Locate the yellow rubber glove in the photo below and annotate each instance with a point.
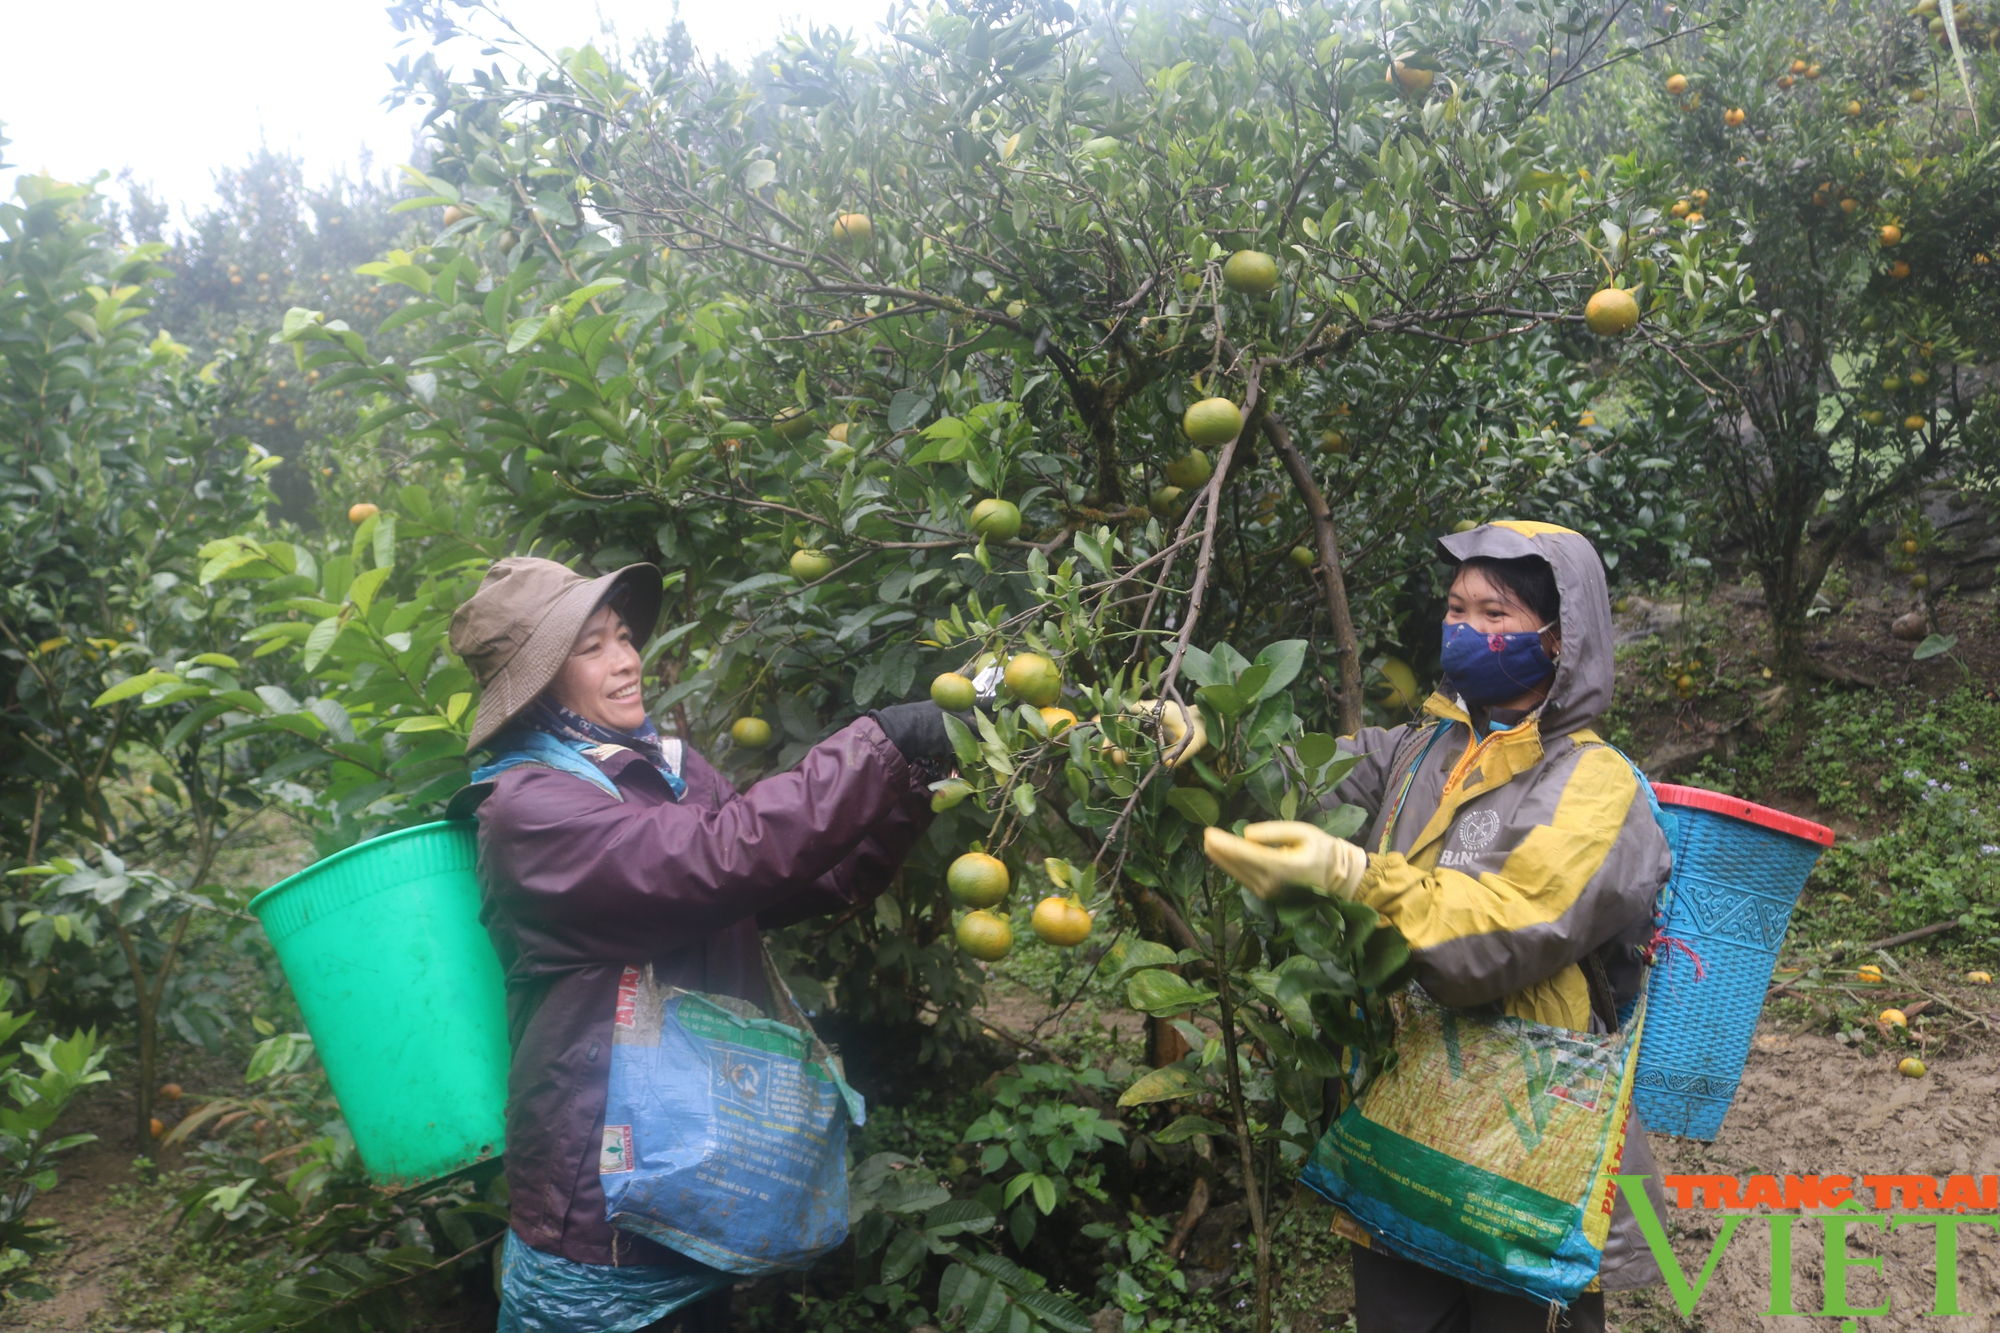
(1182, 736)
(1270, 859)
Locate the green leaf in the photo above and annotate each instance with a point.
(1162, 1085)
(1195, 804)
(1284, 660)
(1164, 995)
(1223, 699)
(1186, 1127)
(125, 689)
(1133, 955)
(320, 640)
(1934, 645)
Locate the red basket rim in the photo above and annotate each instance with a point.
(1736, 807)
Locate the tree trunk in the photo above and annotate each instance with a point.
(1333, 580)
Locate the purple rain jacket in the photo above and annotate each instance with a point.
(578, 884)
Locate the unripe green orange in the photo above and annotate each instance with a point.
(794, 423)
(985, 935)
(752, 733)
(1033, 679)
(996, 520)
(811, 566)
(1250, 271)
(1166, 501)
(1211, 422)
(1302, 557)
(1190, 470)
(953, 693)
(977, 879)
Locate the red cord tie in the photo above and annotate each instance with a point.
(1665, 943)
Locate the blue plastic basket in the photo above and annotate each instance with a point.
(1738, 869)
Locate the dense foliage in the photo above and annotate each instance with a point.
(886, 355)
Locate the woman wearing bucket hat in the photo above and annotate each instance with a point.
(1519, 855)
(603, 845)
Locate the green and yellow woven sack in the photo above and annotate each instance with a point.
(1488, 1150)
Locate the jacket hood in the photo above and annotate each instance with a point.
(1581, 691)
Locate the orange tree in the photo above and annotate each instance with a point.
(1843, 157)
(1115, 343)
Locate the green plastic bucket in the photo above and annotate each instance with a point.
(403, 996)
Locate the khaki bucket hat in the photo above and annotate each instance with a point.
(516, 631)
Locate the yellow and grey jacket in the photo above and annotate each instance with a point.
(1510, 861)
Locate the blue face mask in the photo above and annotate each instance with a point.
(1492, 668)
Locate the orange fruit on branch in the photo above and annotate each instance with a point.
(751, 733)
(977, 879)
(985, 935)
(953, 693)
(1612, 312)
(1061, 921)
(1033, 679)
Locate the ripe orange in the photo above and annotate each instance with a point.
(1891, 235)
(996, 520)
(1798, 67)
(977, 879)
(1812, 71)
(1900, 270)
(985, 935)
(1681, 208)
(1785, 81)
(1611, 312)
(1868, 974)
(1911, 1067)
(752, 733)
(953, 693)
(1694, 219)
(170, 1092)
(1920, 378)
(1893, 1018)
(1409, 78)
(360, 513)
(1913, 422)
(1057, 720)
(1061, 921)
(1979, 978)
(1849, 205)
(1033, 679)
(158, 1126)
(1909, 546)
(1853, 108)
(837, 432)
(854, 228)
(1700, 198)
(1677, 84)
(1733, 117)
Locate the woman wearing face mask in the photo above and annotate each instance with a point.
(1515, 850)
(602, 846)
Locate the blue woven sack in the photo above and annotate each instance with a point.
(725, 1131)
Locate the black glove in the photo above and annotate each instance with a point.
(917, 730)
